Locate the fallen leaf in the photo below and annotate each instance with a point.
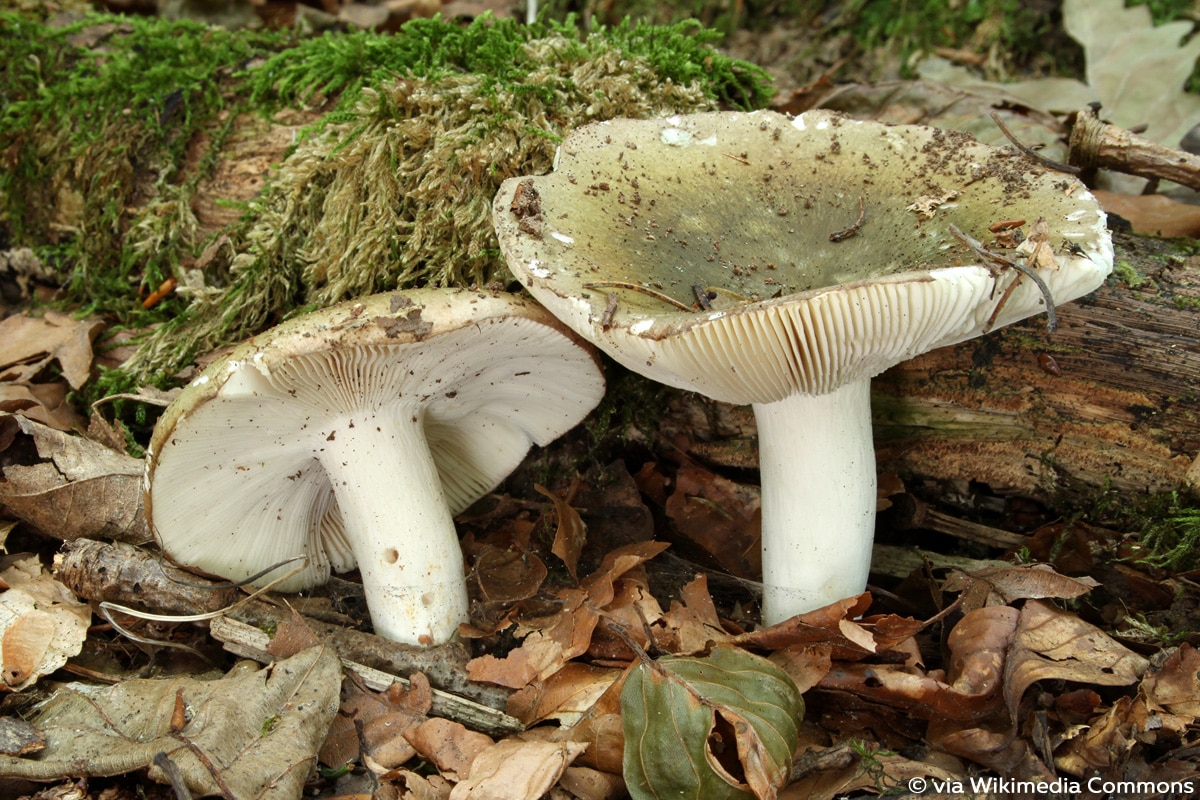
(1175, 685)
(978, 645)
(571, 533)
(78, 488)
(1152, 214)
(42, 624)
(259, 729)
(722, 518)
(448, 745)
(516, 770)
(565, 696)
(724, 726)
(28, 344)
(1051, 644)
(508, 575)
(1004, 585)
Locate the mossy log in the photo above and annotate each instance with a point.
(1107, 404)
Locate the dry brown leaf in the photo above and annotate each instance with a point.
(79, 489)
(28, 344)
(823, 625)
(571, 534)
(1004, 585)
(592, 784)
(42, 402)
(1153, 214)
(1049, 643)
(693, 619)
(508, 575)
(516, 770)
(449, 746)
(722, 518)
(550, 643)
(565, 696)
(887, 771)
(1175, 685)
(42, 624)
(971, 690)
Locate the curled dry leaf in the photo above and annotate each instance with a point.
(724, 726)
(567, 634)
(722, 518)
(1049, 643)
(42, 624)
(1175, 685)
(447, 745)
(516, 770)
(970, 690)
(565, 696)
(1003, 585)
(28, 344)
(571, 534)
(78, 488)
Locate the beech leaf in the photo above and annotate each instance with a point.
(724, 726)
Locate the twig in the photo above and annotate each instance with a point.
(1099, 145)
(994, 259)
(846, 233)
(226, 792)
(1030, 153)
(251, 642)
(637, 287)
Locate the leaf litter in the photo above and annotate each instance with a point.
(1005, 678)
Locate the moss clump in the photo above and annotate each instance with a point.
(96, 120)
(390, 188)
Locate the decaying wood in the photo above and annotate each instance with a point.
(132, 576)
(1100, 145)
(1109, 403)
(251, 642)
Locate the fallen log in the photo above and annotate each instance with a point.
(1109, 403)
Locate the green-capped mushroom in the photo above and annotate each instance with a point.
(782, 262)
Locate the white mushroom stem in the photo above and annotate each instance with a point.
(398, 524)
(817, 466)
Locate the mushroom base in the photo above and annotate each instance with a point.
(817, 465)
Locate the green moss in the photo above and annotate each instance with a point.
(1128, 274)
(395, 189)
(392, 188)
(97, 119)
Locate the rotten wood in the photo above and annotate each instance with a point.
(1095, 144)
(1120, 416)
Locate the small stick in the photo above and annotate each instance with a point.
(996, 259)
(846, 233)
(610, 311)
(159, 294)
(702, 297)
(637, 287)
(739, 159)
(1030, 153)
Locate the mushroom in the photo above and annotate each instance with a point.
(352, 435)
(782, 262)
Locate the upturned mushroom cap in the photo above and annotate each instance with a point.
(825, 244)
(783, 262)
(352, 434)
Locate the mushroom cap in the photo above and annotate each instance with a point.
(234, 458)
(822, 244)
